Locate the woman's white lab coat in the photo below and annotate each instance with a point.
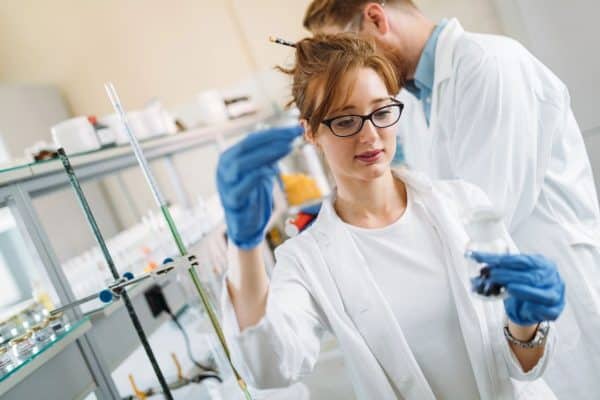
(502, 121)
(322, 282)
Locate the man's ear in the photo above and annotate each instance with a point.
(375, 19)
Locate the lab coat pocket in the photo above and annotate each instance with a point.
(585, 246)
(579, 258)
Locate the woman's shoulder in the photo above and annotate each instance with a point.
(456, 190)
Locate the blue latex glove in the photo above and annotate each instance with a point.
(536, 292)
(245, 176)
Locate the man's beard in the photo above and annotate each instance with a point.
(399, 60)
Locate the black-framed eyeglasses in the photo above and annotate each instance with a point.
(349, 125)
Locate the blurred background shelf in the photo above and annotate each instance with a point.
(46, 365)
(82, 361)
(49, 175)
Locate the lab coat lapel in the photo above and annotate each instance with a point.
(474, 315)
(367, 308)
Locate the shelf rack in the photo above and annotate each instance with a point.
(87, 351)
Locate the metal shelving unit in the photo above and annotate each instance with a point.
(87, 353)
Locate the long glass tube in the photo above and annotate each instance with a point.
(162, 204)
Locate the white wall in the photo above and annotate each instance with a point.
(563, 35)
(474, 15)
(26, 112)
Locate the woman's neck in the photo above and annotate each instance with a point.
(371, 204)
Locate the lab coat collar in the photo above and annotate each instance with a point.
(445, 50)
(413, 179)
(422, 84)
(443, 64)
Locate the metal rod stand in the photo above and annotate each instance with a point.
(111, 265)
(162, 204)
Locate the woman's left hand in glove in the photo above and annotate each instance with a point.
(536, 291)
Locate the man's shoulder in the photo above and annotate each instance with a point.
(480, 56)
(478, 47)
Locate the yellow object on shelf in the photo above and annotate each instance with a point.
(300, 188)
(140, 395)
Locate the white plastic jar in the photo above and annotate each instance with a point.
(486, 232)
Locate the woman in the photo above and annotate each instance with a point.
(382, 268)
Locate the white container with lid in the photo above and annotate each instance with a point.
(75, 135)
(486, 232)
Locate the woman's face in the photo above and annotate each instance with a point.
(368, 154)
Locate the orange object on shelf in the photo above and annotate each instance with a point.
(300, 188)
(151, 266)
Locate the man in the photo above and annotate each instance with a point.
(482, 108)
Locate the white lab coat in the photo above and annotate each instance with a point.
(322, 282)
(502, 121)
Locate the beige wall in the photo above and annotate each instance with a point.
(167, 49)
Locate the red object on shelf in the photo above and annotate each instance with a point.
(298, 224)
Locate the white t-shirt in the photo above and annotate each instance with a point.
(406, 260)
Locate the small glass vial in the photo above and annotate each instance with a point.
(27, 320)
(24, 346)
(58, 323)
(11, 329)
(5, 335)
(6, 361)
(486, 232)
(43, 333)
(32, 316)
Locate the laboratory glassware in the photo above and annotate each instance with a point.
(486, 232)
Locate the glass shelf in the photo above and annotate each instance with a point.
(73, 327)
(23, 164)
(234, 124)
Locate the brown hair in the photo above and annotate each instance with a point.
(341, 13)
(321, 63)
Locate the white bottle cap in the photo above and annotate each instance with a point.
(484, 225)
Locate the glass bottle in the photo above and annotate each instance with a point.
(6, 361)
(486, 232)
(43, 333)
(24, 346)
(58, 323)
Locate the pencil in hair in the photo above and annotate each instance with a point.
(281, 41)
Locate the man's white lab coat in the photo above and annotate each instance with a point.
(322, 282)
(502, 121)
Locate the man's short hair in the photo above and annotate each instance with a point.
(340, 13)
